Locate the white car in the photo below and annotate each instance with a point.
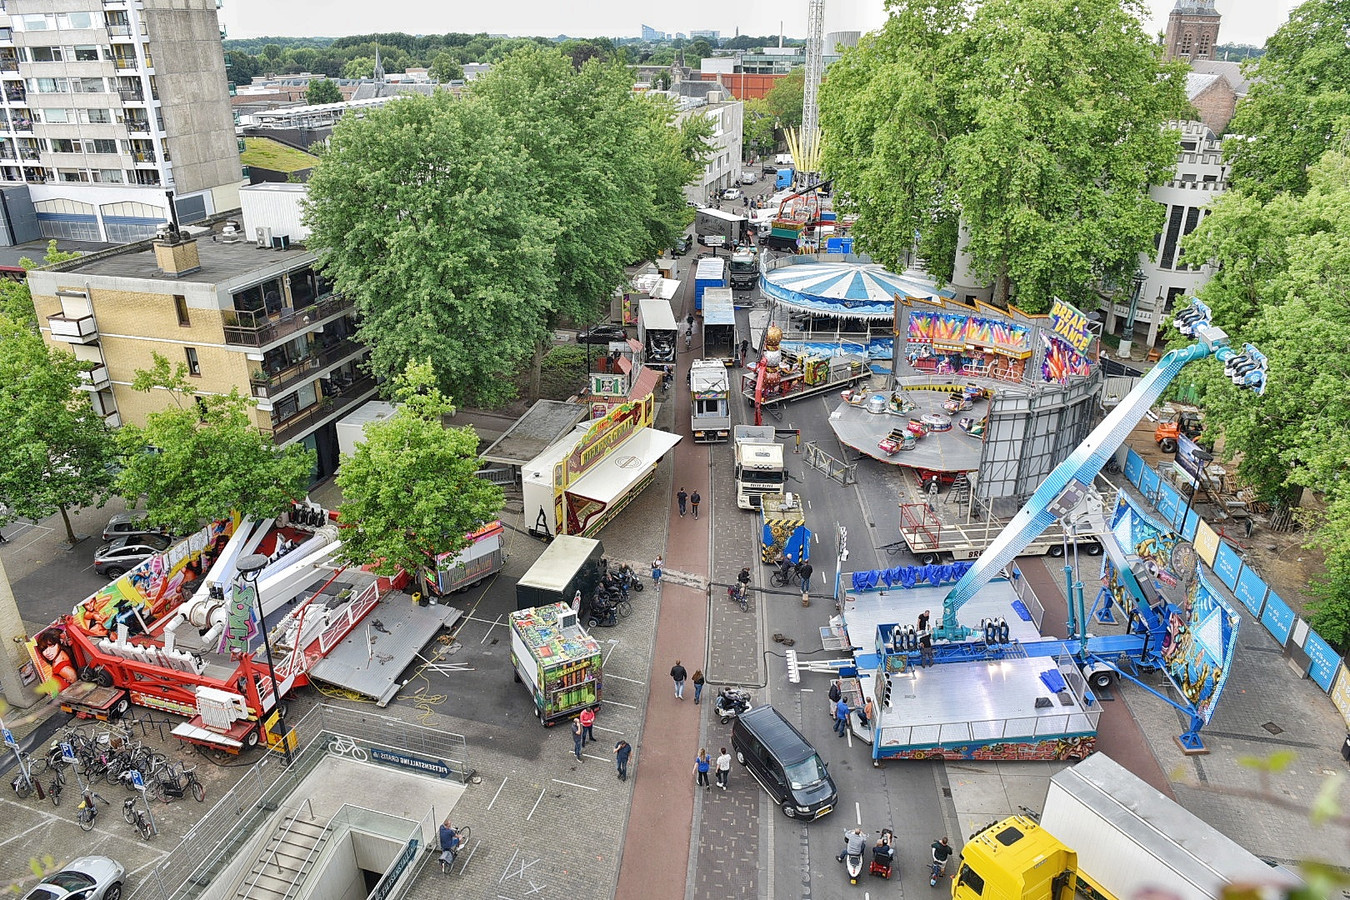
(748, 177)
(87, 878)
(731, 194)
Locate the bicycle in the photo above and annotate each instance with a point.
(781, 577)
(134, 816)
(448, 865)
(738, 593)
(58, 783)
(87, 811)
(27, 781)
(341, 745)
(175, 782)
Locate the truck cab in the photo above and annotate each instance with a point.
(1016, 859)
(744, 270)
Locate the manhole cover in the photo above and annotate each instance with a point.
(629, 462)
(1273, 728)
(947, 792)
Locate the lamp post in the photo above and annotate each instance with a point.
(250, 567)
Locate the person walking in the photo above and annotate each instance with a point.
(657, 564)
(694, 499)
(701, 767)
(723, 769)
(698, 685)
(587, 720)
(682, 498)
(804, 571)
(841, 717)
(578, 737)
(622, 750)
(678, 675)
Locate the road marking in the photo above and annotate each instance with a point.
(857, 812)
(617, 703)
(498, 794)
(536, 806)
(490, 625)
(584, 787)
(609, 677)
(488, 633)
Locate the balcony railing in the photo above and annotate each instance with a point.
(255, 329)
(96, 379)
(9, 65)
(276, 383)
(132, 95)
(119, 30)
(77, 330)
(124, 62)
(306, 419)
(138, 125)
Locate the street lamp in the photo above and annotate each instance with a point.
(249, 568)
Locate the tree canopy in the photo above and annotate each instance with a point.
(204, 456)
(57, 453)
(786, 97)
(321, 90)
(1298, 106)
(409, 491)
(1038, 125)
(543, 182)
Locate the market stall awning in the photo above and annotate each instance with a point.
(625, 466)
(847, 289)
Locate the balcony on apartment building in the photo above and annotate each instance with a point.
(138, 124)
(131, 94)
(288, 426)
(96, 379)
(260, 328)
(272, 381)
(14, 92)
(73, 329)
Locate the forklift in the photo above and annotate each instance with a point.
(1176, 421)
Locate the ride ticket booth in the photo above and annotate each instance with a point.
(578, 484)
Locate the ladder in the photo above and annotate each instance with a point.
(959, 493)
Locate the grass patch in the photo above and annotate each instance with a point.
(266, 153)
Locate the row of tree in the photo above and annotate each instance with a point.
(1279, 241)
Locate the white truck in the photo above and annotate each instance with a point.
(760, 467)
(709, 416)
(1107, 834)
(657, 332)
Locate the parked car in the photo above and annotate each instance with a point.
(748, 177)
(682, 244)
(129, 523)
(123, 554)
(731, 194)
(88, 878)
(601, 334)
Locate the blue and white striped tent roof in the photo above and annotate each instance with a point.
(848, 289)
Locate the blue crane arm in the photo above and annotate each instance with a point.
(1080, 468)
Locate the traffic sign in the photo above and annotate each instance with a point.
(9, 738)
(67, 752)
(136, 780)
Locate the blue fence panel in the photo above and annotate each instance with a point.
(1170, 504)
(1277, 617)
(1227, 565)
(1324, 661)
(1190, 525)
(1251, 590)
(1134, 467)
(1148, 483)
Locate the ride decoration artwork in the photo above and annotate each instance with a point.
(1061, 361)
(1202, 630)
(908, 576)
(1075, 747)
(53, 660)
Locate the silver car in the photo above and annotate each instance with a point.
(120, 556)
(89, 878)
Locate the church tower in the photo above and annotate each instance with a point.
(1192, 30)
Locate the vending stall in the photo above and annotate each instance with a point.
(560, 662)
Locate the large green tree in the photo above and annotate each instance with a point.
(425, 214)
(409, 491)
(56, 453)
(757, 127)
(1283, 284)
(786, 96)
(1037, 124)
(1298, 106)
(203, 456)
(322, 90)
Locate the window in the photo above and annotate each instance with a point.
(1169, 251)
(194, 365)
(180, 307)
(46, 54)
(201, 408)
(75, 20)
(55, 116)
(49, 85)
(87, 85)
(73, 174)
(86, 53)
(35, 23)
(101, 145)
(96, 116)
(108, 176)
(65, 145)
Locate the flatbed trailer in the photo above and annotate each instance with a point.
(807, 377)
(933, 541)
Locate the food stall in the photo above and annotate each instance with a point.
(560, 662)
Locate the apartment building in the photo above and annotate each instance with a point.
(239, 303)
(106, 106)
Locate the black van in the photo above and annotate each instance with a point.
(784, 763)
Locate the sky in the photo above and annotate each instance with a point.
(1244, 21)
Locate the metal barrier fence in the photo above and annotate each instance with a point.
(842, 472)
(211, 846)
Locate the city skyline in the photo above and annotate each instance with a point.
(1244, 21)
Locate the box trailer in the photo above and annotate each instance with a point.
(657, 332)
(711, 273)
(567, 565)
(560, 662)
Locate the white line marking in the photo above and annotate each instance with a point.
(488, 633)
(536, 806)
(857, 812)
(609, 676)
(617, 703)
(499, 791)
(584, 787)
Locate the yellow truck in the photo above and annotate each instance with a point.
(1107, 835)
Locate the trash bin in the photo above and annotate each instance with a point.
(1345, 749)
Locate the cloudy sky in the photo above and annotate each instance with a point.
(1244, 21)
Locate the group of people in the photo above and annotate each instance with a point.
(703, 764)
(680, 675)
(841, 710)
(583, 733)
(685, 500)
